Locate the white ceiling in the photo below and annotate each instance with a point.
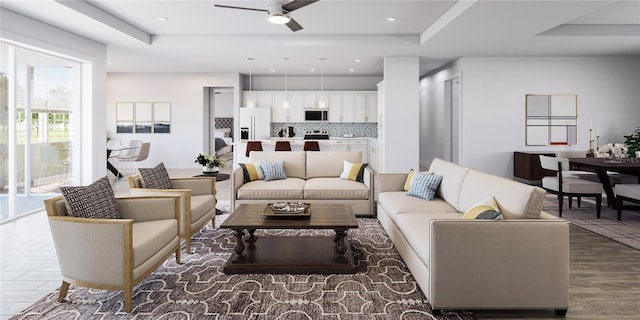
(199, 37)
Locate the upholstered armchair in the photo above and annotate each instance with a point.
(197, 201)
(114, 254)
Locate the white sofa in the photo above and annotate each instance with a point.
(518, 263)
(312, 177)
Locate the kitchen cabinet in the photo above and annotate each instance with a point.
(335, 107)
(361, 145)
(309, 100)
(263, 100)
(360, 107)
(347, 107)
(296, 107)
(372, 107)
(373, 153)
(278, 112)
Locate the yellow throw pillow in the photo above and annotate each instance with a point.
(353, 171)
(485, 209)
(252, 172)
(407, 183)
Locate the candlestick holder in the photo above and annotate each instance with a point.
(590, 152)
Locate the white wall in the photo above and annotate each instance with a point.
(188, 111)
(89, 151)
(493, 102)
(223, 102)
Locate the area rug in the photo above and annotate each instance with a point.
(626, 231)
(382, 288)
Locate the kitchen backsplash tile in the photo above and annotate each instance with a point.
(334, 129)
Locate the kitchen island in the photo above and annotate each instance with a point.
(297, 144)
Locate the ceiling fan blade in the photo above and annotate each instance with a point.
(294, 25)
(241, 8)
(297, 4)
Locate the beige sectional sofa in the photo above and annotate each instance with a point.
(312, 177)
(520, 262)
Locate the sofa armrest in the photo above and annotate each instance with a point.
(197, 185)
(237, 180)
(391, 181)
(519, 263)
(367, 178)
(149, 208)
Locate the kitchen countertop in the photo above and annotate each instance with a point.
(301, 140)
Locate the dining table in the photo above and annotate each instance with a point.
(602, 166)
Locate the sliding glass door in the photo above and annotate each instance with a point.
(38, 94)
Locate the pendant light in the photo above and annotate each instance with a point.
(322, 103)
(251, 102)
(285, 102)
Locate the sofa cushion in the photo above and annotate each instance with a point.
(273, 170)
(290, 188)
(407, 182)
(453, 177)
(334, 188)
(398, 202)
(252, 172)
(151, 236)
(517, 200)
(415, 227)
(93, 201)
(424, 185)
(201, 205)
(353, 171)
(329, 163)
(294, 161)
(485, 209)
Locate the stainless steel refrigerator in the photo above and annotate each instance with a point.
(255, 123)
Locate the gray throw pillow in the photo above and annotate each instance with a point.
(156, 178)
(93, 201)
(424, 185)
(273, 170)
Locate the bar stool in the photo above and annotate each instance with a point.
(253, 146)
(283, 146)
(311, 146)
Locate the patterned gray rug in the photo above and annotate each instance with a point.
(382, 288)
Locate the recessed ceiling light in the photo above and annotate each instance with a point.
(163, 19)
(392, 19)
(352, 70)
(109, 62)
(272, 69)
(358, 60)
(312, 70)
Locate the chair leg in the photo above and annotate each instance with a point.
(178, 255)
(579, 198)
(63, 291)
(598, 205)
(128, 297)
(188, 243)
(570, 202)
(619, 207)
(560, 198)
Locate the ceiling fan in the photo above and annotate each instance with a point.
(279, 13)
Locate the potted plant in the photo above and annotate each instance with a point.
(633, 143)
(209, 163)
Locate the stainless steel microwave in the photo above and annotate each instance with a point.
(316, 115)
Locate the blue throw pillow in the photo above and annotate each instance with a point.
(424, 185)
(273, 170)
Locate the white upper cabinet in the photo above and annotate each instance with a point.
(335, 107)
(372, 107)
(296, 107)
(342, 106)
(278, 112)
(347, 106)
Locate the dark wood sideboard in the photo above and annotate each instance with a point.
(527, 169)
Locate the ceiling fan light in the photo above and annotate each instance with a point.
(279, 18)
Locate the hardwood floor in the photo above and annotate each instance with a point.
(604, 281)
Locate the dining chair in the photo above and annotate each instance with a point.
(626, 192)
(587, 175)
(113, 144)
(51, 159)
(131, 163)
(568, 186)
(253, 146)
(283, 146)
(132, 152)
(311, 146)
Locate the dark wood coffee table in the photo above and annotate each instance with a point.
(291, 254)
